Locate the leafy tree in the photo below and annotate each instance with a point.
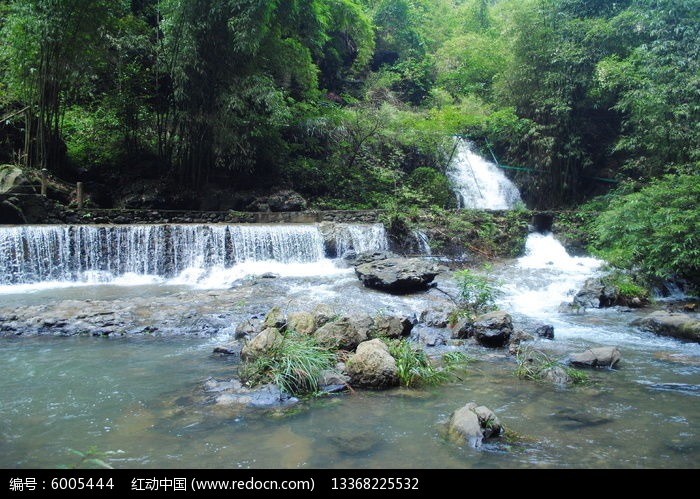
(656, 88)
(51, 49)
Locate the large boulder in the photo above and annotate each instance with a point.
(674, 324)
(340, 334)
(398, 275)
(19, 201)
(596, 357)
(372, 366)
(596, 294)
(13, 180)
(473, 423)
(262, 343)
(493, 329)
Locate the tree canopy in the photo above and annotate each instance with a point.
(353, 103)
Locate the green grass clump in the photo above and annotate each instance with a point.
(415, 368)
(294, 365)
(533, 365)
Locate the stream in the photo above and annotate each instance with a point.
(137, 399)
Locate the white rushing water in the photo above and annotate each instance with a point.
(547, 276)
(36, 257)
(480, 184)
(535, 286)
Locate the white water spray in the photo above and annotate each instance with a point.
(480, 184)
(547, 276)
(206, 255)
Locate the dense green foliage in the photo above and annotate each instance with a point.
(352, 102)
(656, 229)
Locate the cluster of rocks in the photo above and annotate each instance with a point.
(368, 363)
(681, 324)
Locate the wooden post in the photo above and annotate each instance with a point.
(80, 195)
(44, 181)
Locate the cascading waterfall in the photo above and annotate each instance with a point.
(360, 238)
(478, 183)
(94, 254)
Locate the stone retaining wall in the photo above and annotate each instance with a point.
(233, 217)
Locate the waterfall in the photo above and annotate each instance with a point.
(478, 183)
(360, 238)
(422, 242)
(93, 254)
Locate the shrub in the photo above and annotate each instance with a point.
(477, 293)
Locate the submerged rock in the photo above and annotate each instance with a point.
(234, 393)
(679, 325)
(233, 348)
(472, 424)
(545, 331)
(351, 442)
(372, 366)
(556, 375)
(398, 275)
(596, 357)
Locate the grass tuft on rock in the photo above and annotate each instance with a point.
(534, 365)
(294, 365)
(415, 368)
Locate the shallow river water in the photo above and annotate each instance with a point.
(138, 400)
